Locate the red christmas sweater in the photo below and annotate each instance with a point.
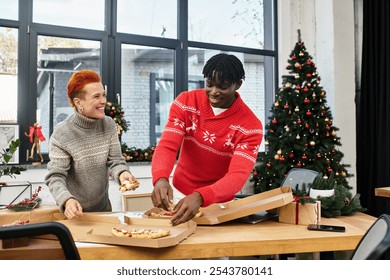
(217, 153)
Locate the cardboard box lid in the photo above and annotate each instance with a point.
(97, 229)
(223, 212)
(43, 213)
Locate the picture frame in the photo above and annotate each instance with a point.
(9, 133)
(137, 202)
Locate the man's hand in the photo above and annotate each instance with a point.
(162, 195)
(187, 208)
(73, 209)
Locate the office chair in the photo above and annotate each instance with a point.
(30, 230)
(296, 177)
(375, 244)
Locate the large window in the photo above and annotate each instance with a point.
(148, 17)
(8, 74)
(147, 92)
(74, 13)
(58, 58)
(147, 52)
(9, 9)
(238, 22)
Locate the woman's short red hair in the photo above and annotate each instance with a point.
(78, 81)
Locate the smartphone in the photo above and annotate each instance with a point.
(326, 228)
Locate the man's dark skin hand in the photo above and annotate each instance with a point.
(185, 209)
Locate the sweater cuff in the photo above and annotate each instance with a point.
(158, 175)
(208, 196)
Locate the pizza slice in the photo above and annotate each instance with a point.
(129, 186)
(158, 212)
(141, 233)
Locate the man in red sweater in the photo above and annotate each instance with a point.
(218, 137)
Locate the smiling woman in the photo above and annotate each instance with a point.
(84, 149)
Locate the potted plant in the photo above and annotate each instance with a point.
(5, 157)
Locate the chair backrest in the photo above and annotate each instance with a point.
(30, 230)
(375, 244)
(299, 176)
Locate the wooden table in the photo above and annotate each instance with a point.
(384, 194)
(228, 239)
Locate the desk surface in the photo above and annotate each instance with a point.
(383, 192)
(228, 239)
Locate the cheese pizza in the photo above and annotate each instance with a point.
(141, 233)
(128, 186)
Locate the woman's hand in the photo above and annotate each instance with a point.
(126, 176)
(73, 209)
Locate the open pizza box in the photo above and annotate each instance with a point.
(44, 213)
(223, 212)
(97, 228)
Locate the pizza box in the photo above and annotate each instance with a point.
(44, 213)
(223, 212)
(97, 228)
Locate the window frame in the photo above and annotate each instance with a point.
(111, 42)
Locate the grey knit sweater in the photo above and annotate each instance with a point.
(82, 153)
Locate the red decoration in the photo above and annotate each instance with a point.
(274, 121)
(308, 75)
(306, 101)
(298, 87)
(305, 89)
(308, 113)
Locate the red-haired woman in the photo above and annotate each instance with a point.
(84, 149)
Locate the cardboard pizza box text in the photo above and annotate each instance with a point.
(96, 228)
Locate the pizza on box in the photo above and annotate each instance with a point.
(128, 186)
(158, 212)
(141, 233)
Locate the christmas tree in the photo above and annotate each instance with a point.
(300, 132)
(115, 111)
